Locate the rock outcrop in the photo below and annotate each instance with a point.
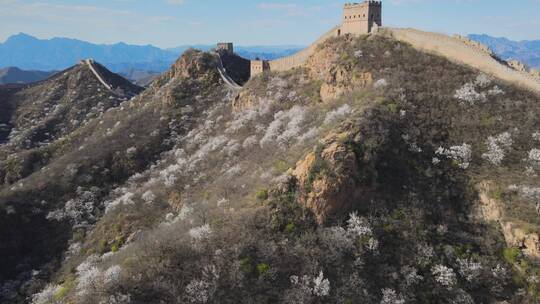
(490, 209)
(336, 79)
(326, 178)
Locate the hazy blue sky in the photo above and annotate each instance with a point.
(168, 23)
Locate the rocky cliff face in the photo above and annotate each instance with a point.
(517, 233)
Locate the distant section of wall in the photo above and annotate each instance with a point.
(225, 46)
(293, 61)
(457, 50)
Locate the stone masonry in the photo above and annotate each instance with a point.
(225, 46)
(361, 18)
(358, 19)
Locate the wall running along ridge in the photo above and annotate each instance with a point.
(298, 59)
(458, 51)
(90, 64)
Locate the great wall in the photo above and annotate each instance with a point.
(366, 18)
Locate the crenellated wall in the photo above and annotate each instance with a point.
(293, 61)
(358, 19)
(458, 50)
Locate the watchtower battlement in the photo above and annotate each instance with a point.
(361, 18)
(358, 19)
(225, 46)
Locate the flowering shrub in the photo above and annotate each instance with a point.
(316, 286)
(202, 232)
(321, 286)
(462, 154)
(337, 114)
(468, 94)
(285, 128)
(380, 83)
(148, 196)
(79, 210)
(497, 147)
(112, 275)
(124, 199)
(482, 80)
(47, 295)
(199, 291)
(357, 226)
(390, 296)
(444, 276)
(469, 269)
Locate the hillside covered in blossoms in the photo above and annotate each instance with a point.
(375, 173)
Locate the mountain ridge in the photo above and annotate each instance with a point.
(11, 75)
(27, 52)
(526, 51)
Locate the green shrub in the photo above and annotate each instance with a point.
(290, 228)
(262, 194)
(245, 265)
(392, 107)
(115, 247)
(102, 246)
(511, 254)
(262, 268)
(281, 165)
(61, 293)
(497, 194)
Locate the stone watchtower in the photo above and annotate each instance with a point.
(225, 46)
(361, 18)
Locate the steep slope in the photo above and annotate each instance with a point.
(353, 179)
(87, 164)
(463, 52)
(16, 75)
(40, 116)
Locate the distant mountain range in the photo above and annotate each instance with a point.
(143, 63)
(27, 52)
(16, 75)
(527, 51)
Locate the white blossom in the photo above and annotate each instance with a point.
(199, 291)
(202, 232)
(444, 275)
(285, 128)
(468, 94)
(47, 295)
(462, 154)
(112, 275)
(249, 142)
(337, 114)
(497, 147)
(130, 152)
(148, 196)
(482, 80)
(390, 296)
(358, 226)
(316, 286)
(534, 155)
(321, 286)
(469, 269)
(88, 281)
(380, 83)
